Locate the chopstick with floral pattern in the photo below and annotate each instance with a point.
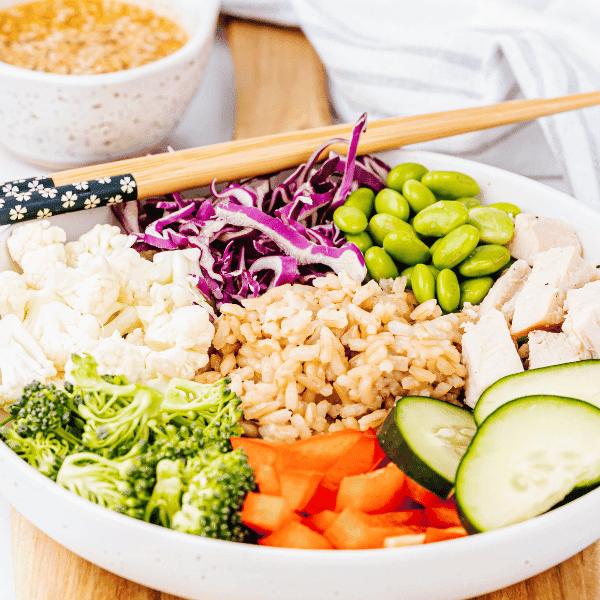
(38, 197)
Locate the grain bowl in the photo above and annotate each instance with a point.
(199, 568)
(57, 120)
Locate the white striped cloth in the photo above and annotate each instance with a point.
(406, 57)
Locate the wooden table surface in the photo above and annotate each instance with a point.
(281, 87)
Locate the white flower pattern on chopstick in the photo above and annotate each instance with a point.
(40, 198)
(68, 199)
(17, 213)
(127, 185)
(91, 202)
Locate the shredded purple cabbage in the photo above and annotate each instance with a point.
(265, 231)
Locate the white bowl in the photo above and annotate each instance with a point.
(59, 121)
(203, 569)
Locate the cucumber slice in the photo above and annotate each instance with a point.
(426, 438)
(579, 380)
(526, 457)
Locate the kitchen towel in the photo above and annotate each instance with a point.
(406, 57)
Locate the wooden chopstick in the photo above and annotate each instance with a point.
(185, 169)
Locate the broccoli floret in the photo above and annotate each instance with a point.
(123, 484)
(116, 412)
(47, 410)
(211, 411)
(203, 495)
(165, 501)
(44, 452)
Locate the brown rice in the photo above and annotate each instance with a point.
(309, 359)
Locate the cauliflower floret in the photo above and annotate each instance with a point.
(60, 330)
(32, 236)
(101, 240)
(14, 294)
(175, 362)
(116, 356)
(135, 275)
(38, 265)
(21, 360)
(188, 327)
(91, 289)
(176, 265)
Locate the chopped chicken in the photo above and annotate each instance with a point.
(547, 348)
(582, 322)
(533, 235)
(503, 293)
(539, 304)
(489, 354)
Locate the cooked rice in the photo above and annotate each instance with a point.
(309, 359)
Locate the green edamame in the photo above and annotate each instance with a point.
(417, 195)
(435, 244)
(447, 290)
(408, 274)
(362, 240)
(350, 219)
(454, 247)
(406, 247)
(475, 290)
(494, 225)
(440, 218)
(507, 207)
(391, 202)
(363, 198)
(469, 202)
(450, 184)
(484, 260)
(422, 283)
(380, 264)
(402, 172)
(381, 224)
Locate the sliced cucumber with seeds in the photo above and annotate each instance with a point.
(525, 458)
(579, 380)
(426, 438)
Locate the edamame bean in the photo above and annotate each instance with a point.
(402, 172)
(422, 283)
(475, 290)
(435, 244)
(350, 219)
(391, 202)
(440, 218)
(362, 240)
(380, 264)
(494, 225)
(406, 247)
(450, 184)
(507, 207)
(469, 202)
(408, 274)
(484, 260)
(447, 290)
(382, 224)
(417, 195)
(363, 198)
(454, 247)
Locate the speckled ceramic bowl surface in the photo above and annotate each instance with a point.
(59, 121)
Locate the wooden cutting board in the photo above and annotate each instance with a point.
(281, 87)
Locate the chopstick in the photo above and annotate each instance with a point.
(160, 174)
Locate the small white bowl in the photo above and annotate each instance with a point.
(59, 121)
(201, 569)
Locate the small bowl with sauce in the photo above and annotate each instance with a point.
(91, 81)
